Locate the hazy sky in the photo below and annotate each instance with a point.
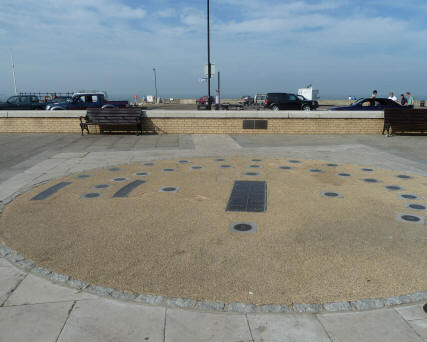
(342, 47)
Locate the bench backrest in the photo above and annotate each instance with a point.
(114, 115)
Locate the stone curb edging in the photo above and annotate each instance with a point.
(182, 303)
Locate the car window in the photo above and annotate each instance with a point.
(292, 98)
(366, 103)
(34, 99)
(13, 100)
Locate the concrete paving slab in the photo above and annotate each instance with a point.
(34, 290)
(10, 277)
(287, 328)
(412, 312)
(4, 263)
(420, 326)
(188, 326)
(377, 325)
(35, 323)
(109, 320)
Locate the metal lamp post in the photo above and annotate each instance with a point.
(155, 81)
(209, 60)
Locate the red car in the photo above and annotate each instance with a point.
(203, 102)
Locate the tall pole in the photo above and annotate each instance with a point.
(155, 81)
(218, 105)
(209, 60)
(13, 72)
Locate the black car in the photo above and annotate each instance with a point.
(371, 104)
(22, 102)
(285, 101)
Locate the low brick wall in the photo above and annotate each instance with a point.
(168, 122)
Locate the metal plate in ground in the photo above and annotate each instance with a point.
(243, 228)
(411, 197)
(49, 192)
(416, 206)
(409, 218)
(127, 189)
(170, 189)
(250, 196)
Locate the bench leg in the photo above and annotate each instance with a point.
(84, 126)
(138, 128)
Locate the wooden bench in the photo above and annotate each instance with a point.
(113, 119)
(405, 120)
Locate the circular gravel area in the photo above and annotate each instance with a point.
(307, 248)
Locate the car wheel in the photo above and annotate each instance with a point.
(275, 108)
(306, 108)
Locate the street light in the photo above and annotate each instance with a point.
(155, 81)
(209, 61)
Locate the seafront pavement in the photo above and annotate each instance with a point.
(35, 309)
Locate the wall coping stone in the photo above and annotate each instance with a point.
(223, 114)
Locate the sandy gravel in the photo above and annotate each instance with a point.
(308, 248)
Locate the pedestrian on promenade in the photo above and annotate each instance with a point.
(374, 94)
(403, 100)
(410, 99)
(392, 97)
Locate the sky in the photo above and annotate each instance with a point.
(342, 47)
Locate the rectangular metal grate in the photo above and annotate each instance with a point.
(250, 196)
(255, 124)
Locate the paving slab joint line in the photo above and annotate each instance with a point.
(13, 290)
(249, 327)
(66, 320)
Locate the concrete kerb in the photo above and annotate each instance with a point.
(190, 304)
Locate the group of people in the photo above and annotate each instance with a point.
(404, 101)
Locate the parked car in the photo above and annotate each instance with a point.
(81, 101)
(371, 104)
(246, 100)
(286, 101)
(203, 102)
(22, 102)
(259, 99)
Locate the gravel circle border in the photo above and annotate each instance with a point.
(183, 303)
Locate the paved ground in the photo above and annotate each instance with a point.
(32, 308)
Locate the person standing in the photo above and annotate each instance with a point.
(410, 99)
(374, 94)
(403, 100)
(392, 97)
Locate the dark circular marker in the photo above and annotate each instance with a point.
(403, 177)
(417, 206)
(371, 180)
(183, 161)
(294, 161)
(169, 189)
(257, 160)
(101, 186)
(142, 173)
(411, 197)
(393, 187)
(332, 165)
(83, 176)
(242, 227)
(367, 170)
(344, 175)
(410, 218)
(196, 167)
(119, 179)
(331, 194)
(285, 168)
(149, 164)
(251, 174)
(219, 159)
(316, 170)
(92, 195)
(254, 166)
(168, 170)
(114, 169)
(225, 166)
(425, 308)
